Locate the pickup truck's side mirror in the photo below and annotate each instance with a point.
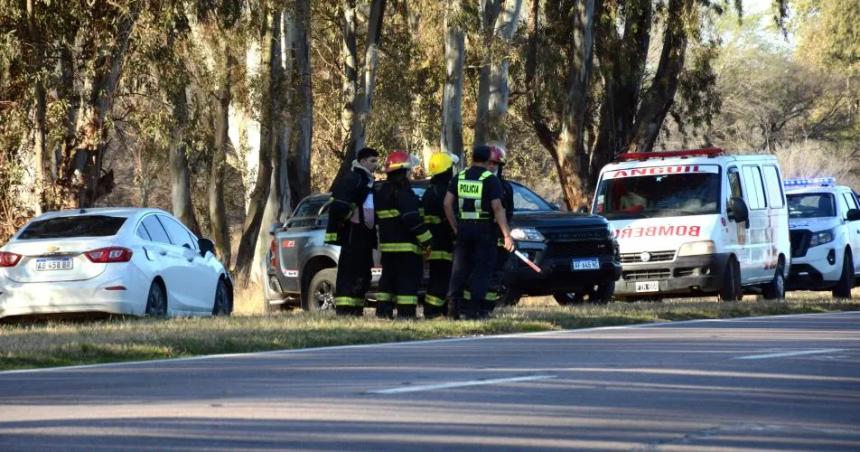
(206, 246)
(738, 210)
(853, 215)
(273, 228)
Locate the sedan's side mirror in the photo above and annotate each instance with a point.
(853, 215)
(738, 210)
(206, 246)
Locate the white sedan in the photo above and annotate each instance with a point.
(118, 261)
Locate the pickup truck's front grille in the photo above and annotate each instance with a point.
(654, 256)
(580, 249)
(800, 242)
(646, 275)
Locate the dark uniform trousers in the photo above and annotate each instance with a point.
(353, 268)
(398, 285)
(474, 263)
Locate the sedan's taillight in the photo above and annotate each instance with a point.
(109, 255)
(8, 260)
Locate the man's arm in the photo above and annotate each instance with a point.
(502, 221)
(448, 205)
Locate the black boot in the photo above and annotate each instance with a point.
(432, 312)
(487, 308)
(454, 309)
(405, 311)
(385, 309)
(358, 311)
(344, 311)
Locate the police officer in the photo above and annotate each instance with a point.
(498, 159)
(403, 236)
(441, 168)
(476, 195)
(349, 228)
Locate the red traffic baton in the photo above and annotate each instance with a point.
(528, 261)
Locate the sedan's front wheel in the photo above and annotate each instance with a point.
(156, 301)
(222, 304)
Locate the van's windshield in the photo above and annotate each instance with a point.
(662, 191)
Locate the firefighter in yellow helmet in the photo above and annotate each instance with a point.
(441, 168)
(403, 236)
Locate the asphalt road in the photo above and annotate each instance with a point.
(790, 382)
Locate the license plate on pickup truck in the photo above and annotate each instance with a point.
(591, 263)
(49, 264)
(648, 286)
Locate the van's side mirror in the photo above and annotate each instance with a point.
(582, 209)
(854, 215)
(738, 210)
(206, 246)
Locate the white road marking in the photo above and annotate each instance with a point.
(786, 354)
(460, 384)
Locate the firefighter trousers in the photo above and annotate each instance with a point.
(353, 269)
(474, 263)
(398, 285)
(435, 304)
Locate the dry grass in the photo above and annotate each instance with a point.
(66, 343)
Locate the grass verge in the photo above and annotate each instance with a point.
(62, 344)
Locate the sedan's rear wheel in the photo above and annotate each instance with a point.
(222, 305)
(156, 301)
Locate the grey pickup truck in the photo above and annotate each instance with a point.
(577, 254)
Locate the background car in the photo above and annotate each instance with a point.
(117, 261)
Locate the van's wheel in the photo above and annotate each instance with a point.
(222, 305)
(775, 290)
(156, 301)
(731, 287)
(320, 293)
(846, 280)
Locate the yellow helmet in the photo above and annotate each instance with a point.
(440, 162)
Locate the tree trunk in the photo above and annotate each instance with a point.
(270, 65)
(452, 97)
(180, 179)
(217, 211)
(659, 97)
(299, 162)
(349, 89)
(570, 152)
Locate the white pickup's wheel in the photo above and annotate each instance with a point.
(846, 280)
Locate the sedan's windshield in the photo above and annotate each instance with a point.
(659, 192)
(811, 205)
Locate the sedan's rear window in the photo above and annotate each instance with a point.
(77, 226)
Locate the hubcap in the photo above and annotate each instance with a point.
(325, 296)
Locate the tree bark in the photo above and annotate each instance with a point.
(217, 210)
(661, 94)
(349, 88)
(180, 179)
(299, 161)
(270, 39)
(452, 96)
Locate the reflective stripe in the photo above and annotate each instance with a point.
(385, 214)
(384, 296)
(472, 190)
(492, 296)
(406, 299)
(349, 301)
(440, 256)
(474, 215)
(467, 295)
(421, 211)
(399, 248)
(331, 237)
(425, 237)
(432, 219)
(434, 301)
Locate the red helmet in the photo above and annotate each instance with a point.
(498, 154)
(399, 160)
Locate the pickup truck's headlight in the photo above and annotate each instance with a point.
(696, 248)
(821, 237)
(527, 235)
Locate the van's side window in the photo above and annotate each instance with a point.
(773, 184)
(752, 177)
(735, 183)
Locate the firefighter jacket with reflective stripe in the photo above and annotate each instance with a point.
(401, 226)
(346, 196)
(470, 193)
(434, 215)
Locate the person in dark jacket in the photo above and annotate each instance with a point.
(441, 168)
(498, 159)
(349, 228)
(403, 237)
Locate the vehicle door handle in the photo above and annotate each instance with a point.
(163, 253)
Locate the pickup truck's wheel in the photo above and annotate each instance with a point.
(775, 290)
(731, 288)
(320, 294)
(599, 294)
(510, 296)
(846, 281)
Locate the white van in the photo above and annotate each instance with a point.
(697, 222)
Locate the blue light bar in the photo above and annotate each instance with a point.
(810, 182)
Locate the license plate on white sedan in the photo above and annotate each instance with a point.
(50, 264)
(648, 286)
(591, 263)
